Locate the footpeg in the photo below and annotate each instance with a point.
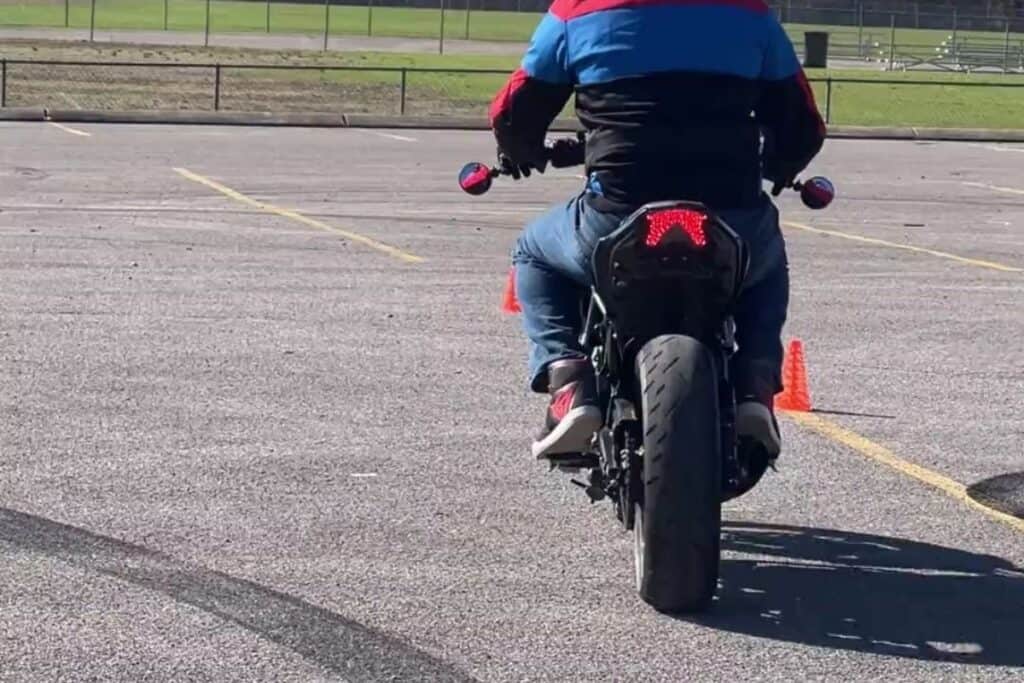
(594, 493)
(573, 461)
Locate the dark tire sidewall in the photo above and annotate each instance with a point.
(682, 462)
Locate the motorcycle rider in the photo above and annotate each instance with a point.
(674, 96)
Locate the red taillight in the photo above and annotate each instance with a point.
(660, 223)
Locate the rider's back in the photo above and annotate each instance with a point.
(666, 89)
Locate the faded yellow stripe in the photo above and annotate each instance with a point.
(870, 449)
(296, 216)
(907, 247)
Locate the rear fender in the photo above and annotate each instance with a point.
(670, 278)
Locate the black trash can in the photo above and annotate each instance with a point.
(816, 49)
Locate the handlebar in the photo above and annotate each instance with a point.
(476, 179)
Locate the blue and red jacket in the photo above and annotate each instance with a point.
(673, 95)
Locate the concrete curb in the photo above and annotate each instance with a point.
(22, 114)
(310, 120)
(927, 134)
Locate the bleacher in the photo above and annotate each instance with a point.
(975, 8)
(964, 15)
(974, 53)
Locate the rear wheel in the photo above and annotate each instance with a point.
(678, 524)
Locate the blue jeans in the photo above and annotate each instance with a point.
(553, 272)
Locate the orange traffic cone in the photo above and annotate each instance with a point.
(795, 395)
(509, 303)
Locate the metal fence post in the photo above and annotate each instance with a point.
(860, 29)
(3, 82)
(369, 18)
(401, 106)
(440, 39)
(67, 13)
(268, 16)
(166, 2)
(92, 20)
(892, 40)
(467, 19)
(956, 48)
(206, 33)
(828, 100)
(1006, 48)
(216, 87)
(327, 22)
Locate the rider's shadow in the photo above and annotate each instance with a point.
(868, 593)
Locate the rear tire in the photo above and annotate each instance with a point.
(677, 544)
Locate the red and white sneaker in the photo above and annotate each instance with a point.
(573, 415)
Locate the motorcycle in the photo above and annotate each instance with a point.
(659, 331)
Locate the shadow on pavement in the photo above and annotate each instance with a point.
(886, 596)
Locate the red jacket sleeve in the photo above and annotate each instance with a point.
(787, 108)
(534, 95)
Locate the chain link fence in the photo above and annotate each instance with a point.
(391, 91)
(860, 29)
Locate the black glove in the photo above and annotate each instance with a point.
(781, 175)
(515, 169)
(779, 185)
(566, 152)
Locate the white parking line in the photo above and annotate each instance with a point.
(390, 136)
(996, 188)
(68, 129)
(998, 148)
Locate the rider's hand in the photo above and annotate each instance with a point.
(565, 152)
(782, 176)
(516, 169)
(779, 185)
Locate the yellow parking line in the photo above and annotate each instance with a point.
(907, 247)
(296, 216)
(997, 188)
(69, 129)
(870, 449)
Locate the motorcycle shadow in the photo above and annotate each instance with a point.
(886, 596)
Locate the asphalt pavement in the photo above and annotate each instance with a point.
(243, 440)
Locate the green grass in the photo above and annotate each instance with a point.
(912, 99)
(232, 16)
(922, 99)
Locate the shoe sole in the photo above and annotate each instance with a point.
(572, 435)
(758, 426)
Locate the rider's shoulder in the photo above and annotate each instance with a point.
(571, 9)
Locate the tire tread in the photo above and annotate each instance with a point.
(682, 474)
